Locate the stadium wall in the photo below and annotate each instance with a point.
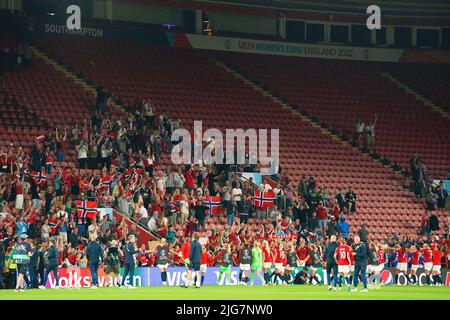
(243, 24)
(11, 5)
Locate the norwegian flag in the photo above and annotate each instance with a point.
(263, 199)
(106, 182)
(39, 178)
(213, 204)
(86, 210)
(133, 176)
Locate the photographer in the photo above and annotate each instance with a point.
(113, 262)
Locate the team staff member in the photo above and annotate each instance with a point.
(130, 261)
(195, 256)
(33, 266)
(94, 253)
(360, 264)
(52, 264)
(330, 264)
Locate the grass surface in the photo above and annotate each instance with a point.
(231, 293)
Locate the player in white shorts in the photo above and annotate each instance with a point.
(162, 251)
(245, 259)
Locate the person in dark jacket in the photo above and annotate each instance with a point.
(94, 254)
(34, 264)
(41, 264)
(52, 264)
(130, 261)
(195, 256)
(330, 262)
(360, 263)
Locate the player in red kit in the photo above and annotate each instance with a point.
(342, 257)
(402, 263)
(267, 258)
(414, 264)
(436, 272)
(185, 251)
(205, 260)
(280, 262)
(427, 261)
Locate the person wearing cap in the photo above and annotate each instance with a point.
(94, 253)
(113, 262)
(21, 256)
(52, 264)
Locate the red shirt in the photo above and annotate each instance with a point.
(321, 213)
(437, 256)
(267, 254)
(281, 257)
(415, 258)
(343, 253)
(206, 258)
(380, 256)
(352, 257)
(189, 183)
(402, 256)
(302, 253)
(185, 250)
(427, 255)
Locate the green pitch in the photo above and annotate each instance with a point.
(231, 293)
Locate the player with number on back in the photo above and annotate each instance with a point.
(162, 259)
(245, 260)
(342, 257)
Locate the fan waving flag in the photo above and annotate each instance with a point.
(133, 176)
(213, 204)
(264, 199)
(86, 210)
(39, 178)
(106, 182)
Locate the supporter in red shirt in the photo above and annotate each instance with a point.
(321, 215)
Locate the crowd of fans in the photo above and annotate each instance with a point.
(118, 156)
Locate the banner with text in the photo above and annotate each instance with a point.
(283, 48)
(150, 276)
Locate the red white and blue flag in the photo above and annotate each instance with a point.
(106, 182)
(39, 178)
(86, 210)
(263, 199)
(133, 176)
(213, 204)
